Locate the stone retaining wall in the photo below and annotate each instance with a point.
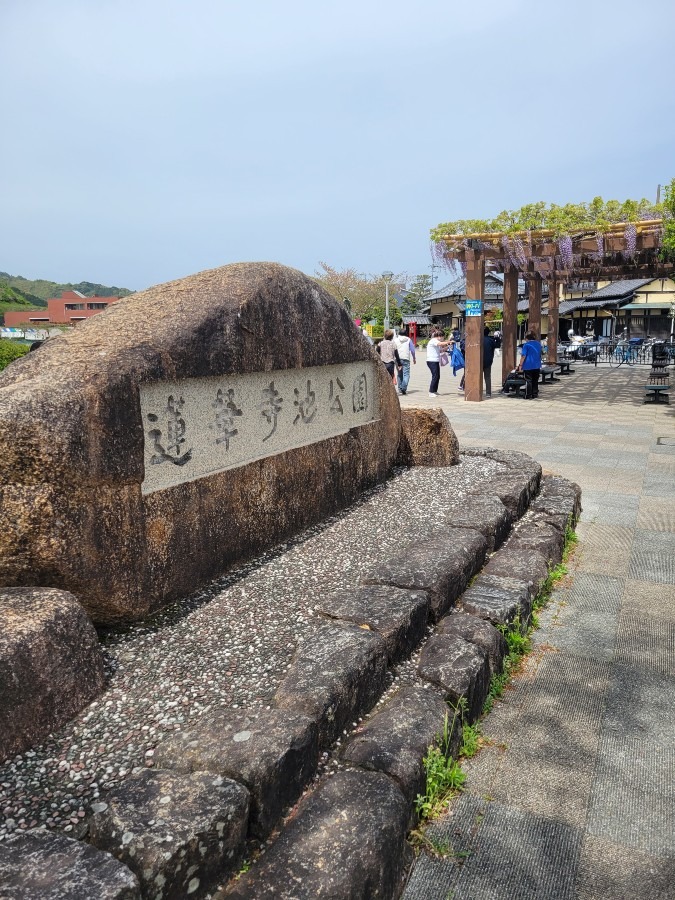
(346, 838)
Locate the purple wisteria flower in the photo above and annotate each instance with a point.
(565, 247)
(631, 241)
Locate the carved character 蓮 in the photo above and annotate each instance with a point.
(175, 435)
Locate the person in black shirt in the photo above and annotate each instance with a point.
(488, 358)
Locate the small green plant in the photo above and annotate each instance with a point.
(518, 644)
(497, 685)
(444, 776)
(470, 741)
(571, 541)
(245, 866)
(441, 848)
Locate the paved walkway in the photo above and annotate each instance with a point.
(575, 797)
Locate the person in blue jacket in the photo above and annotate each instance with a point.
(530, 364)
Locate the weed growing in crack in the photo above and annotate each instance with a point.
(471, 741)
(571, 541)
(444, 776)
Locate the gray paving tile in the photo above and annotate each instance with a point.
(585, 634)
(596, 593)
(609, 871)
(646, 632)
(656, 485)
(633, 796)
(653, 557)
(513, 856)
(656, 514)
(613, 514)
(639, 703)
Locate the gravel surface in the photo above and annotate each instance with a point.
(226, 646)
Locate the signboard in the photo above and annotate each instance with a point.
(474, 308)
(199, 426)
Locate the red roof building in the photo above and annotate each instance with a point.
(68, 309)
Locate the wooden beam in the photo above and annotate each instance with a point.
(510, 321)
(475, 290)
(553, 321)
(534, 295)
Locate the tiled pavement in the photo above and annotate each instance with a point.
(575, 797)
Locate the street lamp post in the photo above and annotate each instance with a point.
(387, 276)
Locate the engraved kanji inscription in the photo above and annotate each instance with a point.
(306, 406)
(175, 428)
(195, 427)
(335, 402)
(360, 393)
(226, 411)
(270, 407)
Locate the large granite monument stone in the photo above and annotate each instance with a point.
(182, 430)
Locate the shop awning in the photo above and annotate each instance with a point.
(647, 306)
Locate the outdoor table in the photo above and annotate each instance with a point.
(564, 366)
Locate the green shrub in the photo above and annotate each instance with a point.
(9, 351)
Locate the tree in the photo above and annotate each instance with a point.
(668, 242)
(363, 295)
(416, 295)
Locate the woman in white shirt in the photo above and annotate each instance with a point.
(434, 349)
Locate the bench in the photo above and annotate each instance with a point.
(514, 382)
(548, 372)
(564, 366)
(657, 391)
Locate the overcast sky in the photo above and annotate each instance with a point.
(144, 140)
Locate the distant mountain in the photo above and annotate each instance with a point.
(38, 292)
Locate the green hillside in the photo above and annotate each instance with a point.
(38, 291)
(11, 298)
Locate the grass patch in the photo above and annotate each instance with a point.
(444, 775)
(471, 741)
(571, 540)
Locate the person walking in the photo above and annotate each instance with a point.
(406, 352)
(434, 349)
(488, 358)
(389, 353)
(530, 364)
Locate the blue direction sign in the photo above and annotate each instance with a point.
(474, 307)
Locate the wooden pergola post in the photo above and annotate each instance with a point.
(534, 315)
(475, 290)
(509, 321)
(553, 326)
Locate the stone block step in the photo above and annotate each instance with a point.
(179, 834)
(397, 615)
(396, 739)
(441, 564)
(459, 668)
(346, 839)
(273, 753)
(43, 866)
(337, 674)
